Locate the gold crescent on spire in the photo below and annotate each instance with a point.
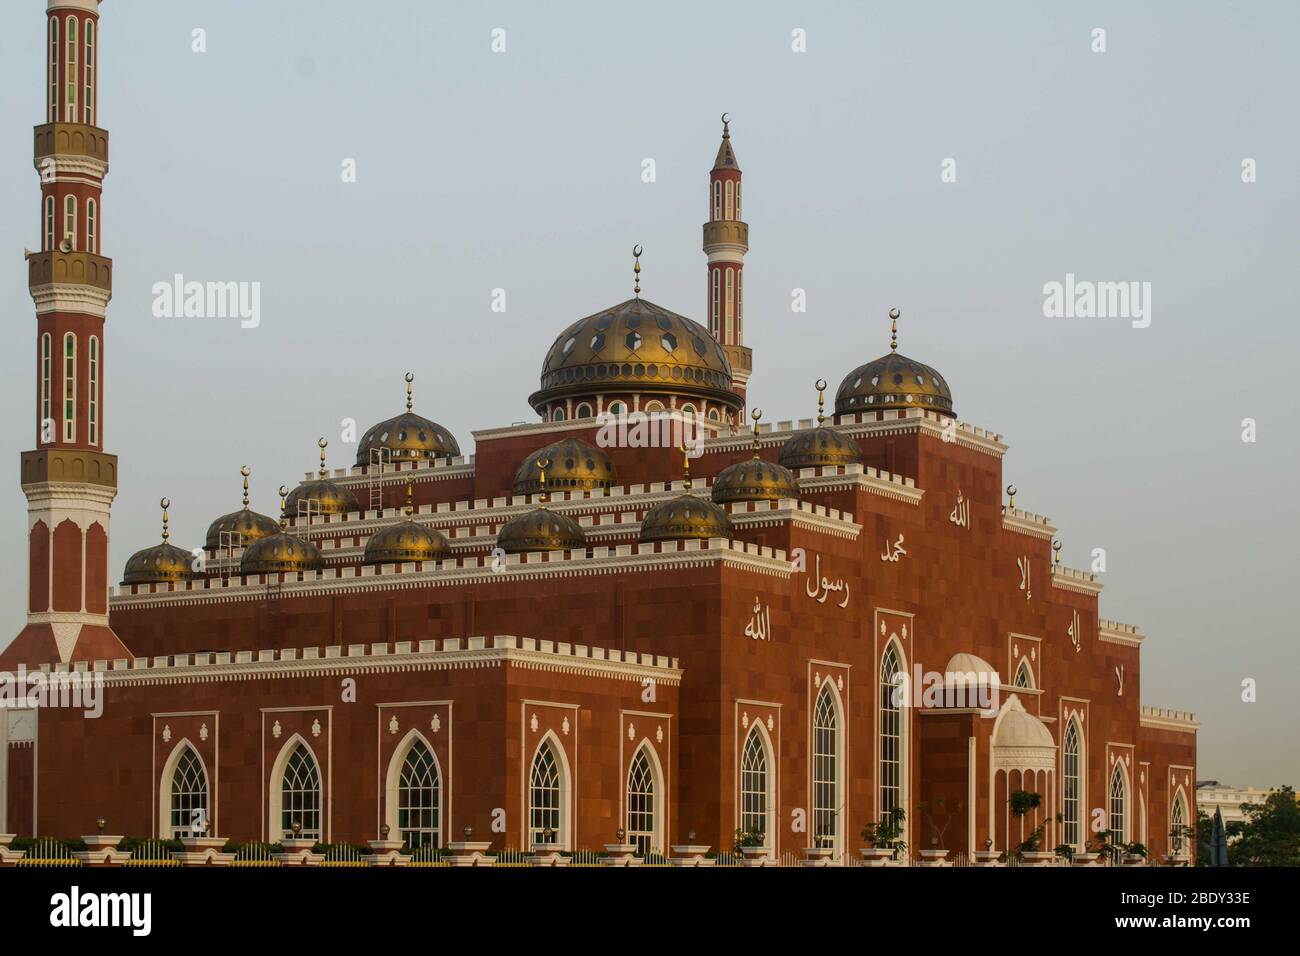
(410, 497)
(542, 465)
(756, 414)
(165, 503)
(324, 473)
(284, 493)
(893, 329)
(726, 123)
(410, 377)
(636, 268)
(821, 401)
(244, 470)
(686, 467)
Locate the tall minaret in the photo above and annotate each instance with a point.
(69, 480)
(726, 240)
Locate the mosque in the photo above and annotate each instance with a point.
(553, 639)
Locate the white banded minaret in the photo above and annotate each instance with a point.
(726, 240)
(69, 480)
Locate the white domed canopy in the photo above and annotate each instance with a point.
(1021, 741)
(966, 664)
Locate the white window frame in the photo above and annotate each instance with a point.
(393, 789)
(92, 222)
(884, 709)
(564, 795)
(92, 390)
(276, 831)
(1080, 778)
(73, 81)
(51, 210)
(834, 779)
(758, 733)
(47, 369)
(654, 838)
(70, 220)
(165, 829)
(88, 88)
(69, 387)
(1119, 774)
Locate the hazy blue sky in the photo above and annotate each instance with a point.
(522, 171)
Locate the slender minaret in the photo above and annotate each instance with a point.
(726, 240)
(69, 480)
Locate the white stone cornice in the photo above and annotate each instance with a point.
(87, 170)
(67, 297)
(86, 6)
(856, 476)
(624, 559)
(1080, 582)
(454, 654)
(1026, 522)
(1113, 632)
(1160, 718)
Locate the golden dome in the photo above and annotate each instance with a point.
(541, 530)
(326, 497)
(821, 446)
(755, 479)
(636, 346)
(248, 525)
(408, 436)
(280, 552)
(160, 564)
(893, 381)
(406, 541)
(573, 464)
(685, 516)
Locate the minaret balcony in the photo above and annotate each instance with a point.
(58, 464)
(75, 144)
(54, 267)
(731, 232)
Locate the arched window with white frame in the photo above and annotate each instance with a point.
(1024, 675)
(891, 733)
(184, 799)
(731, 200)
(413, 794)
(92, 226)
(582, 411)
(549, 796)
(738, 215)
(827, 768)
(728, 305)
(70, 111)
(69, 387)
(1179, 829)
(92, 391)
(644, 802)
(50, 235)
(1072, 784)
(1119, 803)
(296, 792)
(70, 220)
(716, 305)
(47, 368)
(717, 200)
(756, 784)
(740, 299)
(88, 97)
(52, 109)
(557, 414)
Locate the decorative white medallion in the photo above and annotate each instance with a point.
(203, 732)
(565, 726)
(167, 733)
(315, 728)
(631, 732)
(436, 724)
(532, 724)
(770, 722)
(392, 724)
(659, 734)
(744, 721)
(275, 730)
(839, 682)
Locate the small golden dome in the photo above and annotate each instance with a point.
(574, 464)
(280, 552)
(755, 479)
(893, 381)
(240, 528)
(685, 516)
(408, 436)
(541, 530)
(406, 541)
(161, 563)
(321, 495)
(819, 447)
(636, 346)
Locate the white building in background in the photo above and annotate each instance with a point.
(1229, 800)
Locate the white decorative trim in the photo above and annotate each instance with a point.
(1080, 582)
(87, 169)
(1113, 632)
(71, 297)
(1179, 720)
(1025, 522)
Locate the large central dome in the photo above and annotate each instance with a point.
(635, 348)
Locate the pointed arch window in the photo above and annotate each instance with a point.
(1024, 676)
(738, 216)
(92, 226)
(545, 797)
(188, 803)
(69, 387)
(642, 805)
(70, 220)
(755, 785)
(1118, 803)
(1178, 843)
(70, 111)
(826, 768)
(740, 298)
(46, 369)
(53, 107)
(300, 794)
(49, 223)
(1071, 793)
(731, 199)
(419, 798)
(92, 393)
(715, 313)
(891, 733)
(729, 305)
(88, 97)
(717, 200)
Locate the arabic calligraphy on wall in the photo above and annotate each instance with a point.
(819, 588)
(893, 551)
(760, 622)
(960, 514)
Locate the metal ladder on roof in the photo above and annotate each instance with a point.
(380, 460)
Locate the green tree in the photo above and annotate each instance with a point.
(1270, 835)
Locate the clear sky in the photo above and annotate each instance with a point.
(522, 171)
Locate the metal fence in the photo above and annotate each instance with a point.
(47, 851)
(152, 853)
